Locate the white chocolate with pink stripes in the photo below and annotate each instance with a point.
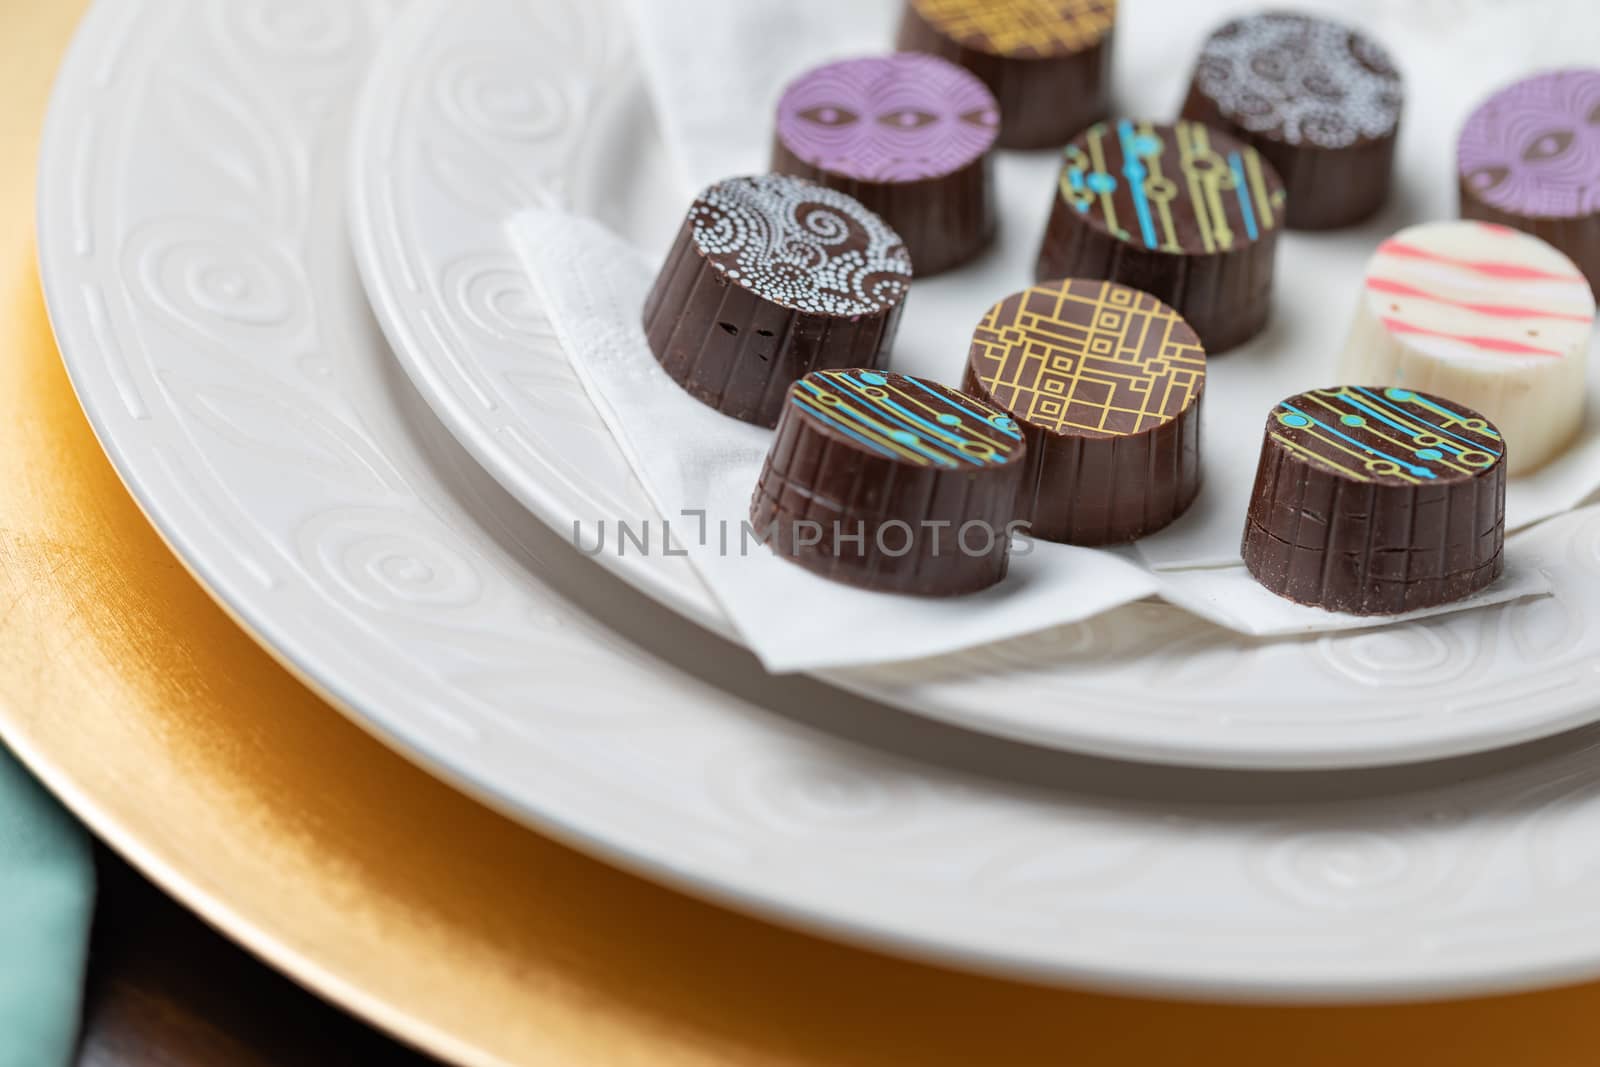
(1492, 318)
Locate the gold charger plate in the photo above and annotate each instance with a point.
(179, 741)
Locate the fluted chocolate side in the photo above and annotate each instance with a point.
(842, 511)
(1081, 490)
(1367, 548)
(1226, 296)
(738, 352)
(944, 221)
(1328, 188)
(1578, 237)
(1044, 101)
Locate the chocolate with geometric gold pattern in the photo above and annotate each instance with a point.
(1180, 211)
(1377, 501)
(1105, 383)
(1048, 62)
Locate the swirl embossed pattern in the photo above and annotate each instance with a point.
(214, 329)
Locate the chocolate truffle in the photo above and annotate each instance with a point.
(1048, 62)
(1181, 211)
(891, 483)
(1488, 316)
(1529, 158)
(1320, 102)
(1105, 383)
(1377, 501)
(771, 278)
(908, 135)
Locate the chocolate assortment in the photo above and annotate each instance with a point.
(770, 278)
(1048, 62)
(1183, 212)
(1319, 100)
(1529, 158)
(1377, 501)
(909, 136)
(1487, 316)
(1105, 383)
(1079, 418)
(891, 483)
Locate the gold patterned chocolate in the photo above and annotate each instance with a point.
(1088, 357)
(1021, 29)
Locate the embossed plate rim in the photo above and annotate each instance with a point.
(770, 795)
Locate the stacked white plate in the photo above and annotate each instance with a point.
(393, 524)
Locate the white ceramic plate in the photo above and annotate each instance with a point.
(479, 107)
(191, 237)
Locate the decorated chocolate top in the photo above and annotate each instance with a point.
(1533, 149)
(1088, 359)
(1386, 436)
(900, 118)
(908, 419)
(800, 245)
(1301, 80)
(1475, 291)
(1180, 188)
(1021, 29)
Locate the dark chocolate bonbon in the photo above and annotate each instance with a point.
(1529, 158)
(1319, 100)
(891, 483)
(770, 278)
(908, 135)
(1180, 211)
(1377, 501)
(1106, 384)
(1048, 62)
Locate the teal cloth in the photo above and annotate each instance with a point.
(46, 904)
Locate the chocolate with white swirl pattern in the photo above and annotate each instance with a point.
(801, 245)
(1301, 80)
(772, 278)
(1319, 100)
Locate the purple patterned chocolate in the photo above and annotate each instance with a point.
(1533, 149)
(900, 118)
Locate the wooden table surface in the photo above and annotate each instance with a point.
(165, 990)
